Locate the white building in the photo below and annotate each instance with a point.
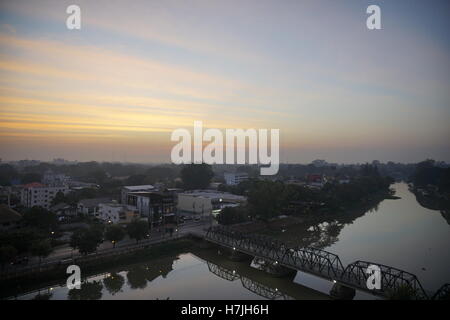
(55, 179)
(91, 206)
(206, 202)
(129, 189)
(38, 194)
(114, 212)
(233, 179)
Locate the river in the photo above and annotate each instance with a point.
(398, 233)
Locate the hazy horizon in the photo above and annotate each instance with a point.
(116, 89)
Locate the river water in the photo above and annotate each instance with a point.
(398, 233)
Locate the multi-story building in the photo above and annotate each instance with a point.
(114, 212)
(156, 205)
(233, 179)
(129, 189)
(38, 194)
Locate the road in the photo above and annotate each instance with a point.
(66, 252)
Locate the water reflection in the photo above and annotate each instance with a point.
(324, 230)
(114, 283)
(90, 290)
(249, 284)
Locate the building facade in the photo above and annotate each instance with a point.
(129, 189)
(233, 179)
(156, 205)
(116, 213)
(206, 202)
(38, 194)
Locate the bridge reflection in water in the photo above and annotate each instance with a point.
(316, 262)
(251, 285)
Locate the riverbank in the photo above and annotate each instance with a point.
(58, 275)
(314, 228)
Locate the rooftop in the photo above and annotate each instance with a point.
(34, 185)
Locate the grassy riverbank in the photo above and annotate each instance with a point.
(58, 276)
(304, 230)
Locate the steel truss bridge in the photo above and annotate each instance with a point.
(319, 262)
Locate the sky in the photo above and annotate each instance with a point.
(137, 70)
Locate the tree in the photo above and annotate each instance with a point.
(99, 176)
(136, 277)
(114, 283)
(59, 198)
(137, 229)
(114, 233)
(86, 240)
(31, 177)
(266, 199)
(230, 215)
(88, 291)
(40, 218)
(22, 239)
(41, 249)
(7, 254)
(7, 173)
(196, 176)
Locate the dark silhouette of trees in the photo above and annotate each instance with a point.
(114, 283)
(7, 174)
(7, 254)
(86, 240)
(232, 215)
(137, 229)
(41, 249)
(196, 176)
(59, 198)
(40, 218)
(114, 233)
(427, 173)
(88, 291)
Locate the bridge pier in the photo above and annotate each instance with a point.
(273, 268)
(341, 292)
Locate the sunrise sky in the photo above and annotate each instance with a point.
(137, 70)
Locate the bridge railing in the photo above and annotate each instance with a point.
(317, 261)
(392, 279)
(320, 262)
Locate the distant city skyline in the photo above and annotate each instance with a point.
(116, 89)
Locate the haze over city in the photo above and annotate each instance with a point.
(117, 88)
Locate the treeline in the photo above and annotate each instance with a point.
(94, 172)
(268, 199)
(428, 173)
